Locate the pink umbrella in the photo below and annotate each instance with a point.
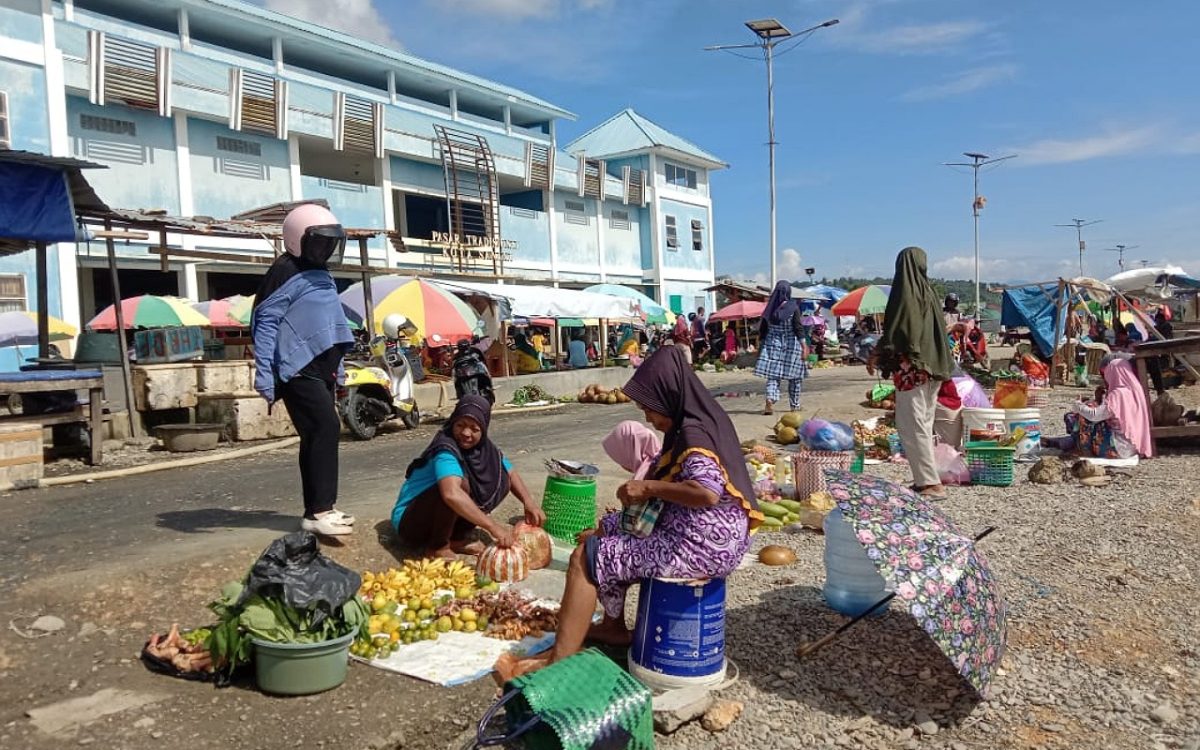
(740, 311)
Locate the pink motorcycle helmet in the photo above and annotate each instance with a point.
(313, 234)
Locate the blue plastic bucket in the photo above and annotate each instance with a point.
(679, 639)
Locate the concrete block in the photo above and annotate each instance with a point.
(20, 455)
(562, 382)
(225, 377)
(675, 708)
(245, 416)
(170, 386)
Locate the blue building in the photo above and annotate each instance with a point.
(214, 107)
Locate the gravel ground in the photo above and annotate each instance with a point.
(1103, 637)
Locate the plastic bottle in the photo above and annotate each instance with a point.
(852, 582)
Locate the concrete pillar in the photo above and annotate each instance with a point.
(60, 145)
(189, 286)
(389, 211)
(294, 167)
(453, 104)
(185, 32)
(277, 54)
(600, 234)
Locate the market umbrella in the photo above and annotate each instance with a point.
(740, 311)
(432, 309)
(866, 300)
(218, 311)
(149, 311)
(654, 312)
(242, 310)
(932, 566)
(827, 294)
(20, 328)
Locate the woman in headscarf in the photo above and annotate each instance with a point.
(632, 446)
(1119, 425)
(914, 351)
(459, 479)
(300, 335)
(526, 358)
(703, 528)
(682, 336)
(782, 352)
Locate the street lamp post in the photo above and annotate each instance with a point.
(1078, 225)
(770, 33)
(977, 161)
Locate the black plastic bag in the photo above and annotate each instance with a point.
(293, 570)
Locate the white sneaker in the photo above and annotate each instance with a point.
(344, 518)
(326, 525)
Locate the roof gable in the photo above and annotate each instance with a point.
(628, 132)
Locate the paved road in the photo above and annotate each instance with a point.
(245, 502)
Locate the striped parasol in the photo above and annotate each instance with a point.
(866, 300)
(218, 311)
(431, 309)
(149, 311)
(242, 310)
(20, 328)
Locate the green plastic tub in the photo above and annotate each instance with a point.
(301, 668)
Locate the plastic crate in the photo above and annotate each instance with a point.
(990, 463)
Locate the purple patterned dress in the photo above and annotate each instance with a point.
(686, 542)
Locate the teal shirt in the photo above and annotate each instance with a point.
(443, 465)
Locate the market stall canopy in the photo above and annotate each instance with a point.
(433, 309)
(20, 328)
(739, 311)
(547, 302)
(1153, 282)
(149, 311)
(827, 294)
(39, 195)
(1033, 307)
(866, 300)
(653, 312)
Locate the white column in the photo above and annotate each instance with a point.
(389, 211)
(294, 167)
(507, 119)
(189, 285)
(392, 86)
(654, 219)
(185, 32)
(453, 104)
(551, 212)
(68, 10)
(712, 254)
(60, 145)
(277, 53)
(600, 234)
(187, 204)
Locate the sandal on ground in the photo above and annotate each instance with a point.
(326, 525)
(343, 518)
(934, 493)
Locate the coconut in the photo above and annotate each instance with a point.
(774, 554)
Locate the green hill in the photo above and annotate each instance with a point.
(965, 289)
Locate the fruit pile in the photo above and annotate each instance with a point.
(779, 514)
(418, 579)
(873, 438)
(787, 429)
(597, 394)
(509, 615)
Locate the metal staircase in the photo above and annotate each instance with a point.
(472, 200)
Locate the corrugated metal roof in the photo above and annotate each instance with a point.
(628, 132)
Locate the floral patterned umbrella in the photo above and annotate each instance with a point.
(932, 566)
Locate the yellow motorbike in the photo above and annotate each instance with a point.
(379, 385)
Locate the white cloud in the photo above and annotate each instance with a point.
(963, 83)
(1114, 142)
(963, 267)
(519, 10)
(788, 265)
(911, 39)
(358, 17)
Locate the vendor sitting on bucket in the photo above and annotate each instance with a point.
(453, 486)
(703, 530)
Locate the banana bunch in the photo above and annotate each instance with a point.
(418, 579)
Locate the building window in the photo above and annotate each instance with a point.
(12, 292)
(618, 219)
(238, 146)
(257, 103)
(697, 235)
(5, 136)
(575, 212)
(109, 125)
(243, 168)
(135, 74)
(681, 177)
(672, 234)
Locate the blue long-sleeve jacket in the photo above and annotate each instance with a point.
(298, 321)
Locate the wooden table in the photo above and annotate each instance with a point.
(1142, 353)
(47, 381)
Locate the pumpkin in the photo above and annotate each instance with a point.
(774, 554)
(503, 564)
(536, 543)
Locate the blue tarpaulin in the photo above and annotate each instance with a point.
(1033, 307)
(35, 204)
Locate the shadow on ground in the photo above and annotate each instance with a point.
(208, 520)
(885, 667)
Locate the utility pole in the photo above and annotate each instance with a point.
(770, 33)
(1078, 225)
(977, 161)
(1120, 250)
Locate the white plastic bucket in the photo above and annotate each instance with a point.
(1029, 420)
(984, 424)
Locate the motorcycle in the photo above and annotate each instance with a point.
(471, 374)
(378, 387)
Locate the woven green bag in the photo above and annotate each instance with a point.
(584, 702)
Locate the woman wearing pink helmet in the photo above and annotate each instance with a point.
(300, 334)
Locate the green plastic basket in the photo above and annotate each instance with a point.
(582, 702)
(570, 507)
(990, 463)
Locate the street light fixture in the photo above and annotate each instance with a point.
(977, 162)
(770, 33)
(1078, 225)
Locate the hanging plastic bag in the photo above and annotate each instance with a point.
(952, 469)
(971, 392)
(293, 570)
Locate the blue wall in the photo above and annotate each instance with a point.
(27, 119)
(577, 241)
(622, 247)
(355, 206)
(142, 169)
(684, 256)
(530, 230)
(21, 20)
(225, 183)
(417, 174)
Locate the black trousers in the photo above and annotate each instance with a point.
(310, 404)
(429, 523)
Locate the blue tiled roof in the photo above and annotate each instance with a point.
(628, 132)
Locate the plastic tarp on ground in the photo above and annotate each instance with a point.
(1033, 307)
(549, 302)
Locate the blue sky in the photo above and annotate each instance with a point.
(1097, 98)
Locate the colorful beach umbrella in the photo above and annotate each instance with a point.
(218, 311)
(654, 312)
(431, 309)
(866, 300)
(242, 310)
(933, 567)
(20, 328)
(149, 311)
(740, 311)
